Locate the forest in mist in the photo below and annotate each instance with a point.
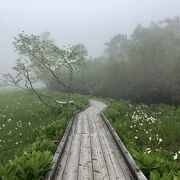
(142, 68)
(139, 77)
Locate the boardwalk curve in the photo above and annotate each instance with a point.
(91, 151)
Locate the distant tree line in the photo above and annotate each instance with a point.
(144, 67)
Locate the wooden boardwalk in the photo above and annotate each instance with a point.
(91, 152)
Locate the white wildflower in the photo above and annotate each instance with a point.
(9, 120)
(148, 150)
(160, 140)
(175, 156)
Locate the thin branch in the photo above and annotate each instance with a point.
(48, 68)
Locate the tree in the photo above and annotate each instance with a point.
(117, 48)
(143, 68)
(41, 60)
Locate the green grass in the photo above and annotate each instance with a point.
(22, 117)
(152, 135)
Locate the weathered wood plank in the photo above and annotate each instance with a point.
(99, 164)
(85, 165)
(117, 153)
(72, 165)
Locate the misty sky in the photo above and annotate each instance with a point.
(91, 22)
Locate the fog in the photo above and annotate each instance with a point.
(89, 22)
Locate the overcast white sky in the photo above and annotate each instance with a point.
(91, 22)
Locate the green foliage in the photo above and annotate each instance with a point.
(42, 144)
(155, 175)
(55, 129)
(28, 166)
(42, 126)
(21, 115)
(151, 134)
(147, 162)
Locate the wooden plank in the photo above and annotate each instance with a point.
(117, 153)
(71, 169)
(85, 165)
(99, 164)
(72, 165)
(109, 158)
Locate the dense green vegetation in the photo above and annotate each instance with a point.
(151, 134)
(28, 131)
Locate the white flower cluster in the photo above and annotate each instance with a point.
(176, 155)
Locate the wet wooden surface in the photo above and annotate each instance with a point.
(91, 153)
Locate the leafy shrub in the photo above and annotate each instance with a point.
(55, 129)
(147, 162)
(42, 144)
(28, 166)
(155, 175)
